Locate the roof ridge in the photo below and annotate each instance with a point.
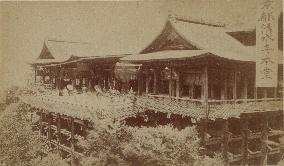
(64, 41)
(194, 21)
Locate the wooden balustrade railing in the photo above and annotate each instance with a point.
(216, 108)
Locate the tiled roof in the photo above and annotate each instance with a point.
(164, 55)
(63, 50)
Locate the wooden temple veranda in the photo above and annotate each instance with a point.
(192, 74)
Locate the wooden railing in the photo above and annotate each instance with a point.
(172, 105)
(216, 108)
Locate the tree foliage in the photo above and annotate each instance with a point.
(19, 145)
(164, 145)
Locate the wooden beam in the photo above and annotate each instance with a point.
(245, 136)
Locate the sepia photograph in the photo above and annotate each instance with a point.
(141, 83)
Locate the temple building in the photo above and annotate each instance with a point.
(192, 73)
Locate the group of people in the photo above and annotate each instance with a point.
(69, 89)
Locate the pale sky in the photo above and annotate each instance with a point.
(113, 27)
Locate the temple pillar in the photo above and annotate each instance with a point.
(191, 91)
(225, 88)
(205, 89)
(245, 92)
(147, 82)
(139, 82)
(178, 82)
(235, 86)
(171, 83)
(155, 88)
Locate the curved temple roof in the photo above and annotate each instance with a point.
(208, 38)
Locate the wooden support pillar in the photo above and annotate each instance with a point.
(265, 93)
(58, 131)
(35, 74)
(155, 88)
(245, 136)
(40, 123)
(191, 91)
(235, 86)
(139, 82)
(171, 82)
(225, 87)
(178, 82)
(111, 79)
(72, 141)
(225, 141)
(90, 84)
(147, 82)
(202, 126)
(264, 139)
(49, 129)
(205, 89)
(275, 89)
(245, 92)
(255, 92)
(212, 95)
